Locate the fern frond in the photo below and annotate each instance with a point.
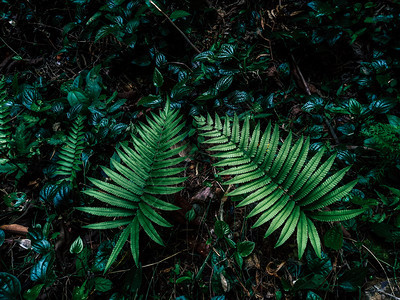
(283, 186)
(70, 156)
(336, 215)
(5, 127)
(145, 171)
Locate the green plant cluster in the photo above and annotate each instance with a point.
(166, 149)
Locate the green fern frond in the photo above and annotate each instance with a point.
(5, 127)
(70, 156)
(145, 171)
(284, 188)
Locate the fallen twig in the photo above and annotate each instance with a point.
(380, 264)
(332, 131)
(177, 28)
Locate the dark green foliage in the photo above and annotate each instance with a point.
(384, 137)
(82, 76)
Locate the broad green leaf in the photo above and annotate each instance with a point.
(245, 248)
(158, 78)
(394, 120)
(34, 292)
(76, 97)
(2, 237)
(102, 255)
(80, 292)
(226, 51)
(333, 238)
(10, 287)
(102, 284)
(179, 14)
(77, 246)
(224, 83)
(39, 271)
(41, 246)
(221, 229)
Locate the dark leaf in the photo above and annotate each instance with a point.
(77, 246)
(102, 255)
(10, 287)
(382, 106)
(41, 246)
(2, 237)
(226, 51)
(102, 284)
(245, 248)
(179, 14)
(204, 56)
(39, 271)
(224, 83)
(333, 238)
(221, 229)
(158, 79)
(347, 129)
(34, 292)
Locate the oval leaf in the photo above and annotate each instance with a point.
(245, 248)
(102, 284)
(333, 238)
(10, 287)
(76, 246)
(179, 14)
(158, 79)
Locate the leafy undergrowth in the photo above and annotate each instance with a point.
(138, 160)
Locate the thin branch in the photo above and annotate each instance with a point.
(9, 47)
(164, 259)
(380, 264)
(332, 131)
(177, 28)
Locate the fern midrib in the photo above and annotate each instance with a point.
(259, 165)
(156, 152)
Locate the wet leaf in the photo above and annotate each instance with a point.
(221, 229)
(245, 248)
(333, 238)
(39, 271)
(10, 287)
(102, 284)
(179, 14)
(158, 79)
(77, 246)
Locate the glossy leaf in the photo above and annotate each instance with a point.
(102, 284)
(179, 14)
(221, 229)
(158, 78)
(77, 246)
(2, 237)
(39, 271)
(333, 238)
(245, 248)
(10, 287)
